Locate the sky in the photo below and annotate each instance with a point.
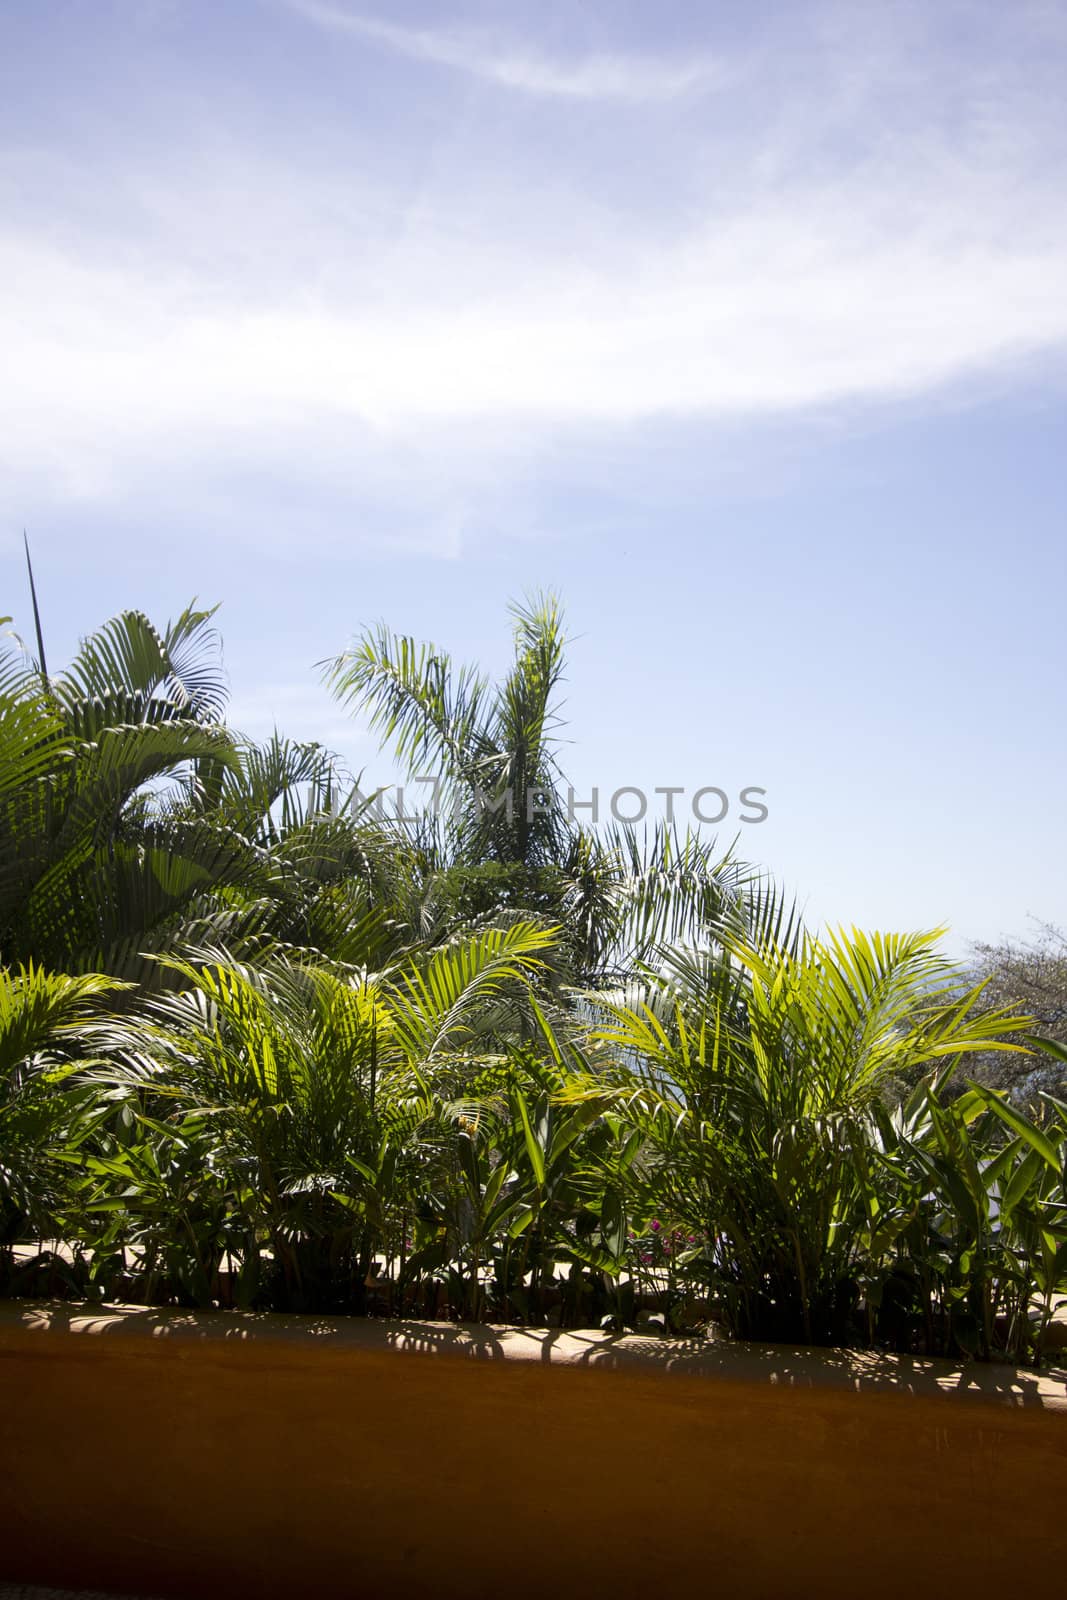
(741, 326)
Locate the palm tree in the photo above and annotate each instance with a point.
(503, 837)
(334, 879)
(96, 866)
(134, 823)
(292, 1091)
(492, 745)
(755, 1069)
(49, 1025)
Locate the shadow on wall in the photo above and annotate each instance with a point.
(768, 1364)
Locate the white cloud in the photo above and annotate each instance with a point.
(414, 351)
(600, 77)
(796, 304)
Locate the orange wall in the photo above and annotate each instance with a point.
(195, 1465)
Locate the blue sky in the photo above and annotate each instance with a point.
(742, 326)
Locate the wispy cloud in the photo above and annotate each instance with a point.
(597, 77)
(800, 301)
(278, 319)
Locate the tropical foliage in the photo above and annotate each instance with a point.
(503, 830)
(262, 1045)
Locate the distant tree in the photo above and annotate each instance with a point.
(1030, 975)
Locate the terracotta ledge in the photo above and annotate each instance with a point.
(755, 1364)
(261, 1457)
